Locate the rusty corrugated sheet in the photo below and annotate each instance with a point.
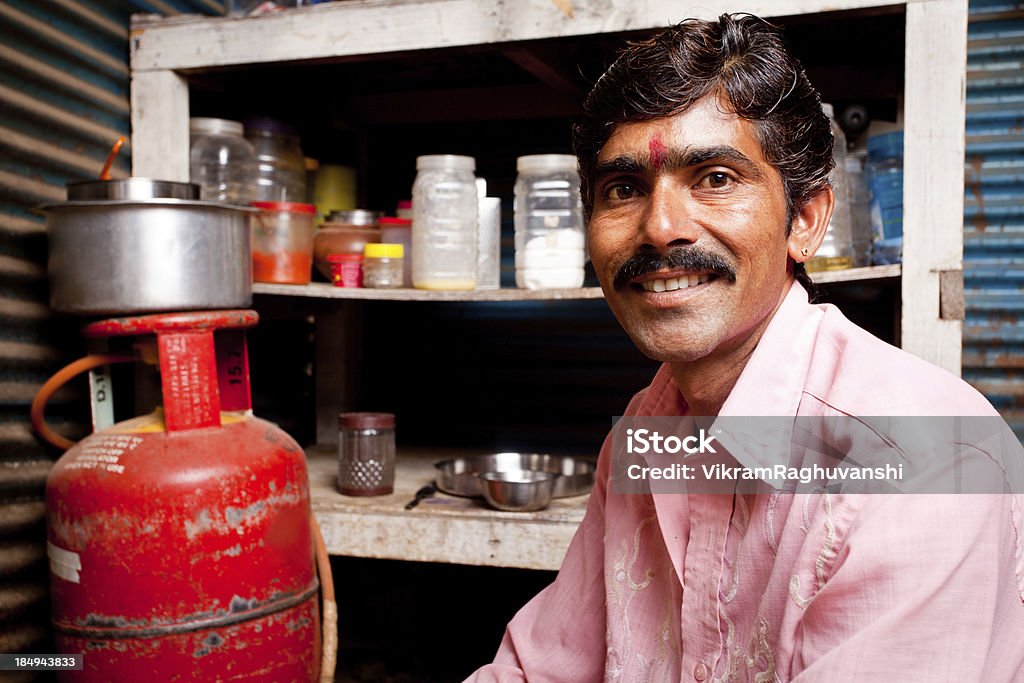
(993, 355)
(63, 101)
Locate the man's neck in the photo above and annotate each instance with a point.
(706, 383)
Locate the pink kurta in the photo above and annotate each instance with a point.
(780, 587)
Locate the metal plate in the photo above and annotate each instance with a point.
(458, 476)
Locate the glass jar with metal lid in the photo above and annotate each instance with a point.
(366, 454)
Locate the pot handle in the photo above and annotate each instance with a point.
(37, 412)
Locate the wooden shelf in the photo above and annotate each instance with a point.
(442, 528)
(368, 27)
(827, 277)
(321, 290)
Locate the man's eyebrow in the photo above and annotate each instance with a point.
(673, 159)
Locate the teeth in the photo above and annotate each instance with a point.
(673, 284)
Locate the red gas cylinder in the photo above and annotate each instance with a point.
(180, 543)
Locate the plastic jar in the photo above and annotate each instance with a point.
(366, 454)
(836, 250)
(860, 208)
(280, 165)
(346, 270)
(444, 228)
(282, 242)
(382, 265)
(399, 231)
(549, 231)
(221, 161)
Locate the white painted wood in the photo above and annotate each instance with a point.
(440, 529)
(159, 125)
(366, 27)
(933, 180)
(321, 290)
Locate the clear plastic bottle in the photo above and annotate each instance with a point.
(221, 161)
(836, 251)
(281, 167)
(885, 178)
(549, 232)
(860, 209)
(444, 227)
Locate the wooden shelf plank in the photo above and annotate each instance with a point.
(826, 277)
(321, 290)
(364, 27)
(442, 528)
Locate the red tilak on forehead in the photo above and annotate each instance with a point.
(657, 149)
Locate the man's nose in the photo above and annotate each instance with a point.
(668, 219)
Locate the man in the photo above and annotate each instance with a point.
(704, 158)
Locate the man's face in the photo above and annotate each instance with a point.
(688, 233)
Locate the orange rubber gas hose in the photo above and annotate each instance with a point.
(329, 619)
(56, 382)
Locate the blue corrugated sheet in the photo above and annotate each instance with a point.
(993, 358)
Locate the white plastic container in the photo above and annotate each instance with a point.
(549, 232)
(445, 224)
(221, 161)
(488, 260)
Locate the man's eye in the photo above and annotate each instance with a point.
(715, 180)
(620, 191)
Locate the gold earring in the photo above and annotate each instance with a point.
(805, 252)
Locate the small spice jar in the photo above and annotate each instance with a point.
(382, 265)
(366, 454)
(346, 269)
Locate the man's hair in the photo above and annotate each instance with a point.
(745, 62)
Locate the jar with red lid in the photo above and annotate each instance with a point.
(346, 269)
(282, 243)
(366, 454)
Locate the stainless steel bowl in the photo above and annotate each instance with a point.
(519, 490)
(460, 476)
(113, 256)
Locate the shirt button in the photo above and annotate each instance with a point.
(700, 672)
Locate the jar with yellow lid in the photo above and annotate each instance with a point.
(382, 265)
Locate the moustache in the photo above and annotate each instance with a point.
(680, 258)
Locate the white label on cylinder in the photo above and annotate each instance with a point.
(64, 563)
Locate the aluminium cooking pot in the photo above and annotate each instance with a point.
(137, 245)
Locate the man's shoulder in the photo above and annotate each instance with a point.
(855, 372)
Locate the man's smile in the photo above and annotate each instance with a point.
(660, 282)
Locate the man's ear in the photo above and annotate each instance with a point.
(808, 228)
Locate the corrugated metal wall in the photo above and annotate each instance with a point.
(993, 356)
(63, 101)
